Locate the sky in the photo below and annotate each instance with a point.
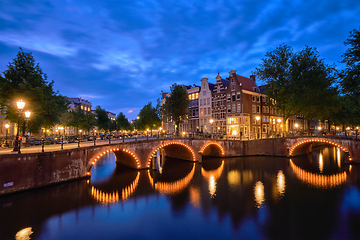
(121, 54)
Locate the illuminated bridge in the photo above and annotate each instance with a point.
(24, 171)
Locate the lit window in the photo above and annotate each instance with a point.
(253, 108)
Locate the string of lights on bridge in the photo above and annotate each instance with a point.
(320, 141)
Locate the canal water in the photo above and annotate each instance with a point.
(315, 196)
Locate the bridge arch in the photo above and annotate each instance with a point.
(212, 149)
(189, 154)
(129, 158)
(317, 140)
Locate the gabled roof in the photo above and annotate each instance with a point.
(224, 82)
(247, 83)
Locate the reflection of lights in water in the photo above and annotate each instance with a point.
(114, 197)
(321, 163)
(212, 177)
(24, 234)
(172, 187)
(280, 183)
(338, 157)
(195, 197)
(212, 186)
(233, 178)
(318, 180)
(215, 173)
(259, 194)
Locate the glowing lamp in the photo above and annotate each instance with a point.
(20, 104)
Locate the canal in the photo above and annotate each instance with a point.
(315, 196)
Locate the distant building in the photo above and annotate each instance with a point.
(80, 102)
(111, 115)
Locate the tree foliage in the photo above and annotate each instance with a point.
(176, 105)
(103, 121)
(350, 77)
(24, 79)
(149, 118)
(122, 123)
(299, 83)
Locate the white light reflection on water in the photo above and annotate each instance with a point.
(321, 162)
(259, 194)
(212, 186)
(24, 234)
(338, 158)
(280, 183)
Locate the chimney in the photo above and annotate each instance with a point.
(252, 77)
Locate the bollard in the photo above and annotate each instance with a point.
(42, 145)
(62, 143)
(94, 141)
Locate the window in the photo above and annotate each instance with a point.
(253, 108)
(258, 109)
(204, 93)
(201, 111)
(238, 108)
(228, 97)
(200, 102)
(232, 80)
(263, 109)
(253, 98)
(208, 101)
(232, 87)
(258, 99)
(238, 95)
(204, 111)
(218, 89)
(233, 97)
(229, 108)
(233, 108)
(209, 110)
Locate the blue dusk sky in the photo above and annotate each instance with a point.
(121, 54)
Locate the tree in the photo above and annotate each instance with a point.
(350, 77)
(122, 123)
(103, 121)
(176, 105)
(148, 117)
(313, 85)
(25, 80)
(275, 71)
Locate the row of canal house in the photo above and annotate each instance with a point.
(234, 107)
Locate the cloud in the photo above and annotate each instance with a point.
(122, 55)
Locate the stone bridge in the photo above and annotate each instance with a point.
(26, 171)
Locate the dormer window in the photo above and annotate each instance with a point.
(254, 89)
(232, 80)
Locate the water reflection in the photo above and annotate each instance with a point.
(24, 234)
(280, 183)
(212, 177)
(232, 198)
(259, 194)
(318, 180)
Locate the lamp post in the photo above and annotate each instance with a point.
(211, 124)
(6, 127)
(279, 121)
(159, 132)
(62, 138)
(257, 121)
(296, 128)
(20, 105)
(27, 115)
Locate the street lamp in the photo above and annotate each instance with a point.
(7, 127)
(211, 122)
(279, 121)
(296, 127)
(257, 122)
(27, 115)
(20, 105)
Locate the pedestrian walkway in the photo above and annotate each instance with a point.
(57, 147)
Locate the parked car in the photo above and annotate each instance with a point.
(37, 141)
